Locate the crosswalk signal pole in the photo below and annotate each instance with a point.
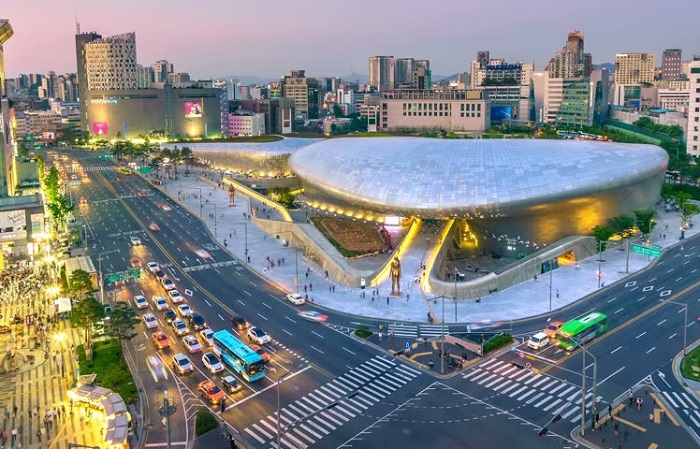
(442, 355)
(583, 395)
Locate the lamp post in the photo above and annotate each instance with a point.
(99, 265)
(245, 230)
(583, 387)
(600, 261)
(166, 411)
(456, 294)
(685, 324)
(442, 336)
(280, 378)
(296, 259)
(201, 206)
(551, 268)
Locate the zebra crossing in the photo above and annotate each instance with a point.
(541, 391)
(312, 417)
(415, 330)
(681, 401)
(86, 168)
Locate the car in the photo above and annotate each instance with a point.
(203, 254)
(258, 335)
(212, 362)
(166, 207)
(153, 267)
(261, 352)
(170, 315)
(313, 315)
(239, 322)
(197, 321)
(83, 200)
(160, 274)
(230, 384)
(175, 296)
(181, 364)
(538, 341)
(207, 336)
(209, 391)
(180, 327)
(160, 340)
(159, 302)
(150, 320)
(135, 240)
(192, 344)
(552, 328)
(167, 284)
(153, 227)
(184, 310)
(296, 299)
(135, 262)
(141, 194)
(156, 368)
(140, 302)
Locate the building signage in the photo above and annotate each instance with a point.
(193, 109)
(100, 128)
(104, 101)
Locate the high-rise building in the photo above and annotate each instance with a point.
(507, 86)
(382, 72)
(634, 68)
(304, 91)
(81, 39)
(144, 76)
(161, 70)
(403, 71)
(671, 64)
(693, 136)
(6, 33)
(571, 61)
(111, 63)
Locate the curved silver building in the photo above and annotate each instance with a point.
(510, 190)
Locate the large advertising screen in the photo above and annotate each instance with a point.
(502, 113)
(99, 128)
(193, 109)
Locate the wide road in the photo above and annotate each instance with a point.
(333, 380)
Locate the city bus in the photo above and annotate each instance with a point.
(581, 330)
(238, 356)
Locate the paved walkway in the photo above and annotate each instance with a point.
(531, 298)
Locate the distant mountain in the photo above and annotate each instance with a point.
(606, 65)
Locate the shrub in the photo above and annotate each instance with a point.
(204, 422)
(497, 342)
(363, 331)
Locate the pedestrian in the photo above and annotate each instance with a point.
(651, 417)
(609, 411)
(630, 395)
(13, 433)
(615, 427)
(333, 288)
(387, 300)
(407, 297)
(311, 286)
(305, 287)
(639, 403)
(39, 433)
(557, 293)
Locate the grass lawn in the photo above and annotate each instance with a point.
(111, 372)
(690, 365)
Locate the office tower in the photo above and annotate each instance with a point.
(80, 41)
(161, 70)
(6, 33)
(403, 71)
(693, 136)
(571, 61)
(331, 84)
(483, 57)
(144, 76)
(671, 64)
(111, 63)
(304, 91)
(382, 71)
(634, 68)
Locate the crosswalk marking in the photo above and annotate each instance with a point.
(319, 428)
(254, 435)
(471, 373)
(486, 379)
(485, 373)
(548, 385)
(517, 392)
(569, 413)
(690, 401)
(308, 429)
(534, 378)
(537, 384)
(547, 398)
(498, 387)
(515, 385)
(558, 388)
(534, 398)
(524, 396)
(552, 405)
(680, 400)
(498, 380)
(567, 391)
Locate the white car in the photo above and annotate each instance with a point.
(140, 302)
(156, 368)
(212, 362)
(167, 284)
(175, 296)
(207, 336)
(296, 299)
(159, 303)
(184, 310)
(153, 267)
(135, 240)
(150, 320)
(180, 327)
(181, 364)
(313, 315)
(258, 335)
(192, 344)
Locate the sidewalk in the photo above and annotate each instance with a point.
(233, 230)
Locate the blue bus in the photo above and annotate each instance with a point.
(238, 356)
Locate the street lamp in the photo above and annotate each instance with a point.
(166, 411)
(201, 206)
(214, 206)
(600, 261)
(685, 325)
(456, 272)
(583, 387)
(296, 258)
(280, 378)
(99, 264)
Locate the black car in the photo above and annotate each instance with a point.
(170, 316)
(159, 274)
(239, 322)
(197, 321)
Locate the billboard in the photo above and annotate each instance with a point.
(99, 128)
(193, 109)
(502, 113)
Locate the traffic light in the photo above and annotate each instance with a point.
(543, 432)
(556, 419)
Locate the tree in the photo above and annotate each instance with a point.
(644, 219)
(156, 162)
(80, 283)
(88, 314)
(187, 156)
(122, 323)
(602, 234)
(621, 223)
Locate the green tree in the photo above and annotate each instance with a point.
(80, 283)
(156, 163)
(644, 219)
(602, 234)
(621, 223)
(23, 150)
(188, 157)
(88, 315)
(122, 322)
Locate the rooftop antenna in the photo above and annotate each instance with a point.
(77, 24)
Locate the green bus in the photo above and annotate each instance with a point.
(581, 330)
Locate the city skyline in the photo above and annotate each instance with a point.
(301, 36)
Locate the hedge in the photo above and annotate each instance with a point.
(497, 342)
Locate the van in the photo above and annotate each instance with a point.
(538, 341)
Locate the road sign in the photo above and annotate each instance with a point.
(145, 170)
(408, 345)
(656, 247)
(111, 278)
(646, 251)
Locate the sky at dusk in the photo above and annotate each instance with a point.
(267, 38)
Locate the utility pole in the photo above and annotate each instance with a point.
(551, 268)
(166, 411)
(600, 261)
(455, 294)
(442, 356)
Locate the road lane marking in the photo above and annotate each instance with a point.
(611, 300)
(679, 279)
(651, 349)
(266, 305)
(347, 350)
(640, 335)
(316, 349)
(672, 336)
(241, 302)
(620, 347)
(318, 335)
(618, 311)
(261, 316)
(208, 303)
(247, 293)
(290, 319)
(661, 322)
(222, 318)
(287, 332)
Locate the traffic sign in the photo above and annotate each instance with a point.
(653, 252)
(145, 170)
(656, 247)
